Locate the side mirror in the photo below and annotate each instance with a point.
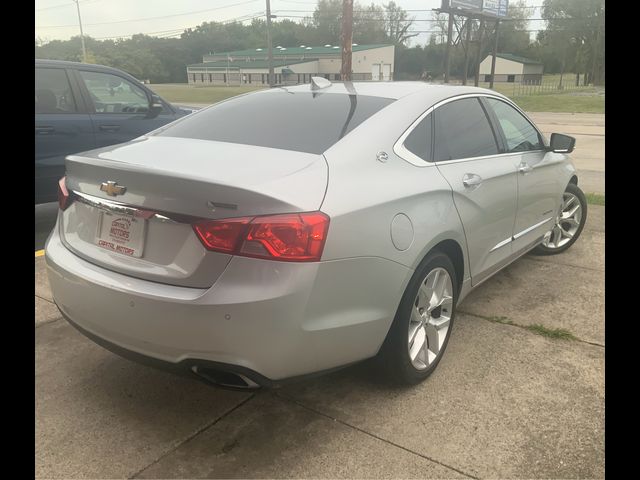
(155, 106)
(560, 143)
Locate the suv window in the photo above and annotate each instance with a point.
(519, 133)
(462, 130)
(53, 91)
(304, 122)
(113, 94)
(419, 140)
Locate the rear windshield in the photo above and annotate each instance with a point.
(304, 122)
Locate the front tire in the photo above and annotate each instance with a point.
(569, 224)
(422, 326)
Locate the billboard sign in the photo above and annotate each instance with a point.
(491, 8)
(495, 8)
(474, 6)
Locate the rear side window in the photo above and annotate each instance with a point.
(419, 140)
(462, 130)
(114, 94)
(53, 91)
(304, 122)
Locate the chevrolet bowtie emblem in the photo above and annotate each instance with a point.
(112, 188)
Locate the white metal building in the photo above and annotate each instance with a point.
(512, 68)
(292, 65)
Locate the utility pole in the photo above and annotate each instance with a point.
(347, 39)
(466, 50)
(595, 56)
(447, 51)
(84, 50)
(479, 52)
(495, 52)
(269, 45)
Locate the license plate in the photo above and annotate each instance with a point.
(123, 234)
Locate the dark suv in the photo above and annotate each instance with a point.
(80, 107)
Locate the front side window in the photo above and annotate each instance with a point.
(419, 140)
(113, 94)
(519, 133)
(53, 91)
(462, 130)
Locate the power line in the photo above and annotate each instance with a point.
(64, 5)
(154, 18)
(179, 31)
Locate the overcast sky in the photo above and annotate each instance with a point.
(58, 19)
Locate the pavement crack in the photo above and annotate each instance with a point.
(47, 322)
(195, 434)
(565, 264)
(45, 299)
(509, 323)
(372, 435)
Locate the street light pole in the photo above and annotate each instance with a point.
(84, 50)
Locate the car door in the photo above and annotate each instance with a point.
(467, 152)
(539, 176)
(120, 108)
(62, 127)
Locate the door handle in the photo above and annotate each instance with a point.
(524, 168)
(471, 180)
(109, 128)
(44, 130)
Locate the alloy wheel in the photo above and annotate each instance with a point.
(430, 318)
(567, 223)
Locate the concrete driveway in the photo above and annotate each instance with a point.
(508, 399)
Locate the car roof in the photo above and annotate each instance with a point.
(89, 66)
(395, 90)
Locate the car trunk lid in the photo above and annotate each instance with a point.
(166, 184)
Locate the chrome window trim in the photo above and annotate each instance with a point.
(403, 152)
(400, 150)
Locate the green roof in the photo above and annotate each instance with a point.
(516, 58)
(221, 64)
(307, 50)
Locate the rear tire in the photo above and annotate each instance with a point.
(569, 224)
(422, 326)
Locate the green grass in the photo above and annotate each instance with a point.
(557, 333)
(502, 320)
(587, 101)
(538, 329)
(584, 100)
(561, 103)
(187, 93)
(594, 199)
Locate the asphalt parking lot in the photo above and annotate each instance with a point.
(519, 393)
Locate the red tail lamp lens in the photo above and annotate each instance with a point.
(294, 237)
(64, 199)
(222, 235)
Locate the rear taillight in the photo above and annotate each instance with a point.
(292, 237)
(64, 199)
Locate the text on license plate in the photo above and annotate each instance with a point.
(121, 233)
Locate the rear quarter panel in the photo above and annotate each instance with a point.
(364, 194)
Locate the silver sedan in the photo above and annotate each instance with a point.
(297, 230)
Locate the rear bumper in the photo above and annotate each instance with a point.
(267, 321)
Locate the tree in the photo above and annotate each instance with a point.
(397, 24)
(579, 24)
